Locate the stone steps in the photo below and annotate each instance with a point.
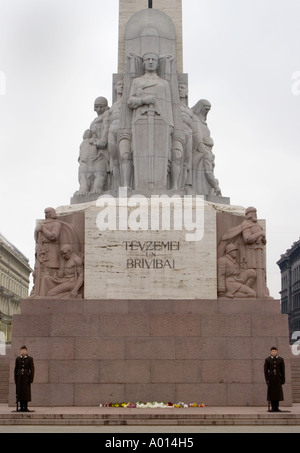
(153, 418)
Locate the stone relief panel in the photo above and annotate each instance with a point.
(241, 256)
(59, 256)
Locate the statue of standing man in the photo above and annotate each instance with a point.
(152, 126)
(99, 139)
(187, 119)
(111, 127)
(47, 255)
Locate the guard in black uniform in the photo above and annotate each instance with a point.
(24, 374)
(274, 370)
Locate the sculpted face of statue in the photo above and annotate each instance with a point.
(50, 213)
(119, 87)
(205, 109)
(183, 91)
(66, 252)
(251, 213)
(150, 62)
(100, 105)
(202, 108)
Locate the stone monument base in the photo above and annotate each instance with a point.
(88, 352)
(149, 248)
(78, 198)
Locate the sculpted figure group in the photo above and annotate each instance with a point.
(149, 138)
(58, 268)
(241, 260)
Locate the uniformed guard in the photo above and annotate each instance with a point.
(274, 370)
(24, 375)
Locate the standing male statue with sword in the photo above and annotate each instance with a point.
(152, 126)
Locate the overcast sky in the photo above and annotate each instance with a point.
(57, 56)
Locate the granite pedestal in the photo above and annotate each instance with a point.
(89, 352)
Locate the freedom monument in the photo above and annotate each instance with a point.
(150, 285)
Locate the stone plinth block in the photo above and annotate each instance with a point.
(98, 351)
(156, 247)
(171, 262)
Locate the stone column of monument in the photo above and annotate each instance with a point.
(148, 291)
(127, 8)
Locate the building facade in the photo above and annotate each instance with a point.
(14, 284)
(289, 265)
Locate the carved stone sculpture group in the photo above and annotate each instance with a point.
(149, 139)
(241, 259)
(58, 270)
(151, 142)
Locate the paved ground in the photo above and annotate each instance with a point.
(150, 429)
